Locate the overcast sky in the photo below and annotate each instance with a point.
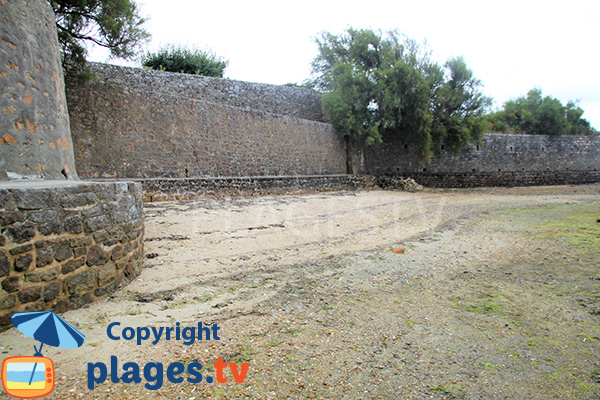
(511, 46)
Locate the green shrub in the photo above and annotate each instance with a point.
(536, 114)
(186, 61)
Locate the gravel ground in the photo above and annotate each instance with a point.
(496, 296)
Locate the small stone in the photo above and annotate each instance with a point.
(62, 251)
(85, 280)
(72, 265)
(51, 291)
(43, 257)
(10, 217)
(106, 274)
(116, 253)
(42, 216)
(34, 199)
(5, 320)
(11, 284)
(96, 256)
(20, 234)
(399, 250)
(21, 249)
(7, 302)
(52, 228)
(23, 263)
(30, 294)
(4, 265)
(73, 224)
(45, 275)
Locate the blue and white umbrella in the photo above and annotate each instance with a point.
(48, 328)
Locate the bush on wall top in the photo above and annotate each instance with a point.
(536, 114)
(188, 61)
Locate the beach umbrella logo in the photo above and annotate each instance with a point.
(32, 377)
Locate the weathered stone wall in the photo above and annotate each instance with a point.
(501, 160)
(63, 245)
(35, 141)
(185, 189)
(147, 124)
(261, 97)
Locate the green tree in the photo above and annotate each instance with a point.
(536, 114)
(375, 85)
(113, 24)
(180, 59)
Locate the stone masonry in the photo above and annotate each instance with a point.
(35, 141)
(65, 245)
(134, 123)
(500, 160)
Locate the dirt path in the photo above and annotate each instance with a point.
(496, 296)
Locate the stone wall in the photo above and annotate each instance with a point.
(500, 160)
(260, 97)
(189, 188)
(63, 245)
(146, 124)
(35, 141)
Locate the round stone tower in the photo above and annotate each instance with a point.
(64, 242)
(35, 139)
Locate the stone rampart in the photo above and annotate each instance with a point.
(500, 160)
(134, 123)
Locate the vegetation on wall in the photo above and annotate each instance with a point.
(374, 85)
(113, 24)
(536, 114)
(187, 61)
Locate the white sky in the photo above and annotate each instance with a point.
(511, 46)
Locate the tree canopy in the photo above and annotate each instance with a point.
(375, 85)
(113, 24)
(536, 114)
(187, 61)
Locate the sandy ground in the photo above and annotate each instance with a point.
(494, 297)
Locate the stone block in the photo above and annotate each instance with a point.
(7, 302)
(11, 284)
(42, 216)
(106, 274)
(70, 200)
(30, 294)
(83, 241)
(73, 224)
(45, 275)
(43, 257)
(79, 282)
(11, 217)
(51, 291)
(50, 228)
(36, 199)
(21, 249)
(20, 233)
(22, 263)
(96, 256)
(116, 253)
(4, 265)
(62, 251)
(72, 265)
(5, 320)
